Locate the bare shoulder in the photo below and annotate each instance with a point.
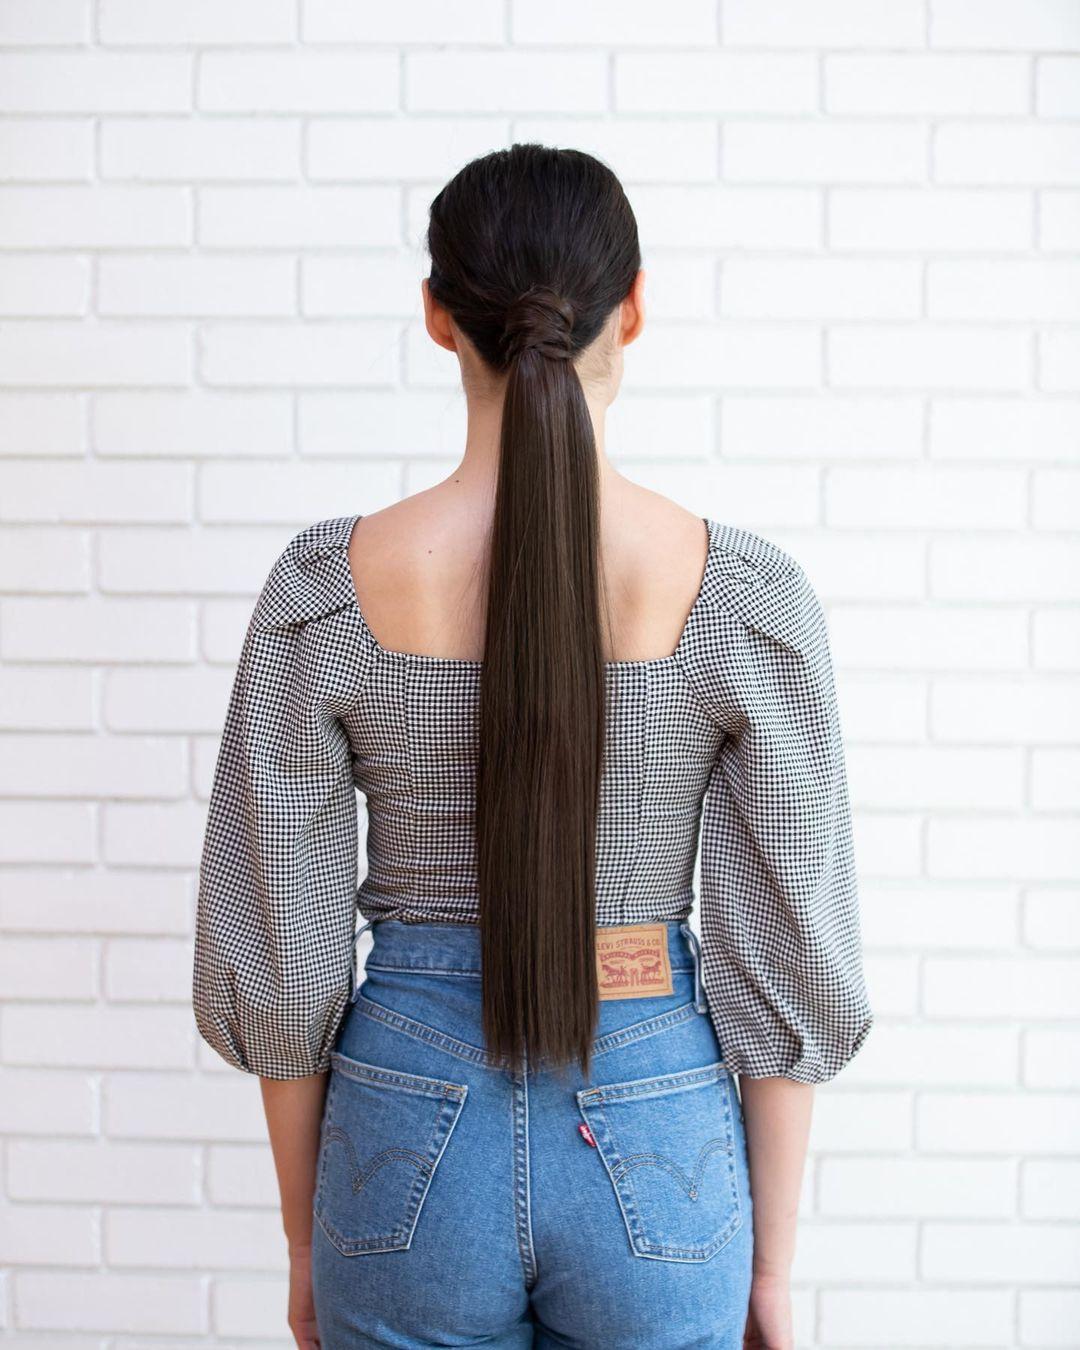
(414, 566)
(656, 543)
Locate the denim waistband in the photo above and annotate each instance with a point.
(454, 949)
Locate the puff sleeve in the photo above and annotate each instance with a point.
(781, 948)
(275, 912)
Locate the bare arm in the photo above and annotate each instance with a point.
(777, 1113)
(293, 1115)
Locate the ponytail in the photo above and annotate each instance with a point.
(531, 250)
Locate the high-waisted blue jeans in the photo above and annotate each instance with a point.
(458, 1204)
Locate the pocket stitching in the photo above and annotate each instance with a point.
(451, 1099)
(619, 1174)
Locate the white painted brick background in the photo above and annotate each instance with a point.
(861, 225)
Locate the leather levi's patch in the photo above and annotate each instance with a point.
(632, 961)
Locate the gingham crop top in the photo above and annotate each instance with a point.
(732, 743)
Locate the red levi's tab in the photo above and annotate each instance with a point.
(586, 1134)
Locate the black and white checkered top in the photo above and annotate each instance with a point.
(733, 741)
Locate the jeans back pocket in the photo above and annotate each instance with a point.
(668, 1145)
(383, 1135)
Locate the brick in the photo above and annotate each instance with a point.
(300, 492)
(156, 149)
(1055, 780)
(375, 423)
(108, 1301)
(1013, 569)
(353, 149)
(220, 285)
(953, 357)
(934, 1054)
(39, 832)
(821, 426)
(300, 354)
(1003, 847)
(1057, 89)
(917, 1317)
(929, 85)
(381, 286)
(1055, 499)
(506, 81)
(196, 422)
(97, 902)
(46, 148)
(925, 496)
(720, 217)
(998, 1253)
(47, 1102)
(98, 1037)
(94, 217)
(1052, 918)
(728, 355)
(423, 21)
(147, 970)
(921, 638)
(616, 23)
(855, 1251)
(42, 425)
(95, 82)
(48, 968)
(218, 1239)
(715, 82)
(828, 23)
(932, 777)
(298, 81)
(213, 1108)
(820, 288)
(1056, 640)
(298, 217)
(973, 152)
(48, 287)
(1025, 987)
(1059, 219)
(917, 1188)
(1051, 1188)
(98, 630)
(240, 1174)
(197, 22)
(105, 493)
(28, 22)
(251, 1307)
(1059, 355)
(912, 220)
(834, 151)
(1022, 291)
(1052, 1058)
(997, 23)
(49, 1235)
(1049, 1317)
(1021, 428)
(1042, 711)
(103, 1172)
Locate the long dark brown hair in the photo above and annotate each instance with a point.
(531, 250)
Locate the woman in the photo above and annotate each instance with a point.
(522, 1128)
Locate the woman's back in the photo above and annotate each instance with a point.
(418, 569)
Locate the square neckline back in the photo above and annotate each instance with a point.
(476, 664)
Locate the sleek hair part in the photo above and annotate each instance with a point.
(531, 249)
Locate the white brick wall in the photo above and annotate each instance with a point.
(860, 221)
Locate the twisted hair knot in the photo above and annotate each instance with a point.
(542, 321)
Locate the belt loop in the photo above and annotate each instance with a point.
(352, 961)
(700, 1002)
